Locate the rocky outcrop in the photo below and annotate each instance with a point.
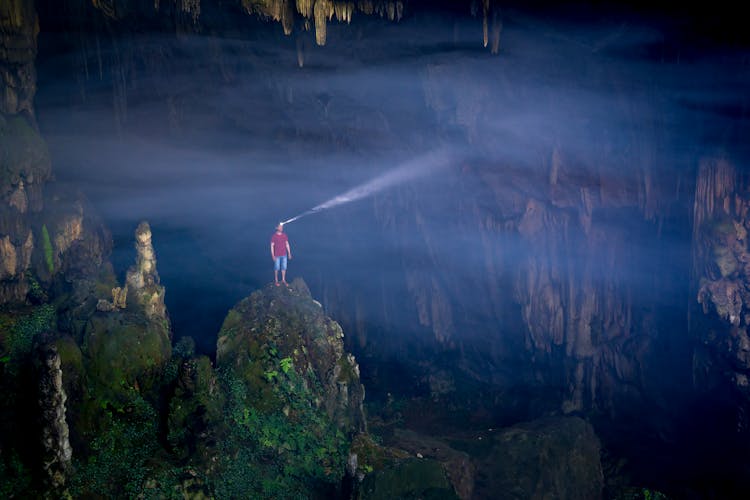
(57, 452)
(119, 300)
(721, 275)
(548, 458)
(19, 27)
(458, 465)
(195, 409)
(277, 330)
(143, 280)
(412, 478)
(126, 349)
(24, 159)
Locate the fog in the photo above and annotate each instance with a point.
(214, 139)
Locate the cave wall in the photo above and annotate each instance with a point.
(552, 288)
(719, 316)
(24, 161)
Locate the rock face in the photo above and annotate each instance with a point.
(548, 458)
(127, 348)
(276, 330)
(143, 279)
(721, 273)
(19, 27)
(24, 160)
(55, 433)
(195, 409)
(458, 466)
(413, 478)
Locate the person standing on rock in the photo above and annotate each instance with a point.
(280, 250)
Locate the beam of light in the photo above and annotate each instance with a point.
(412, 169)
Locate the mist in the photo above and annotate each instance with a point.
(225, 136)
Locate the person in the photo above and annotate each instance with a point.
(280, 251)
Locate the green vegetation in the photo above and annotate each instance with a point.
(653, 495)
(15, 478)
(637, 493)
(282, 452)
(23, 152)
(36, 294)
(49, 257)
(123, 352)
(151, 421)
(20, 333)
(195, 410)
(118, 462)
(412, 478)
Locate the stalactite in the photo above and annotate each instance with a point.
(305, 8)
(287, 17)
(714, 189)
(485, 12)
(55, 433)
(300, 52)
(192, 7)
(497, 27)
(344, 11)
(106, 6)
(324, 11)
(278, 10)
(366, 6)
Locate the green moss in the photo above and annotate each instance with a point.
(23, 152)
(70, 353)
(413, 478)
(49, 257)
(347, 373)
(118, 462)
(15, 478)
(286, 452)
(196, 408)
(275, 351)
(636, 493)
(19, 337)
(123, 351)
(370, 455)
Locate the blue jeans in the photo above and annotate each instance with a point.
(279, 263)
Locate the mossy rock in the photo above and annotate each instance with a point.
(546, 458)
(372, 457)
(23, 153)
(195, 408)
(278, 329)
(293, 398)
(412, 478)
(636, 493)
(124, 352)
(71, 363)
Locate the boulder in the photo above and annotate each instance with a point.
(412, 478)
(124, 351)
(278, 329)
(556, 457)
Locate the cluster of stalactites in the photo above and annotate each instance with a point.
(320, 12)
